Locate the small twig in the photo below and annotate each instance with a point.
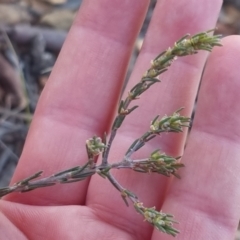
(108, 146)
(157, 162)
(13, 155)
(67, 176)
(14, 113)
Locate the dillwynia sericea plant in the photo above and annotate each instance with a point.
(156, 162)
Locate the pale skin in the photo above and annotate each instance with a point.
(79, 101)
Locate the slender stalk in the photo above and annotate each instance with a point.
(157, 162)
(71, 175)
(119, 117)
(109, 144)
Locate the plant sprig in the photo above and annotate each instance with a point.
(156, 162)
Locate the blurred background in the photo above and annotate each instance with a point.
(32, 33)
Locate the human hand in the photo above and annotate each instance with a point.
(79, 101)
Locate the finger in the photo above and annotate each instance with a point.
(206, 199)
(178, 88)
(179, 85)
(80, 97)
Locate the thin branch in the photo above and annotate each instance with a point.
(71, 175)
(157, 162)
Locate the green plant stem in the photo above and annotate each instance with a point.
(75, 174)
(67, 176)
(157, 162)
(109, 144)
(114, 132)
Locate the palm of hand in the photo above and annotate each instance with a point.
(204, 200)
